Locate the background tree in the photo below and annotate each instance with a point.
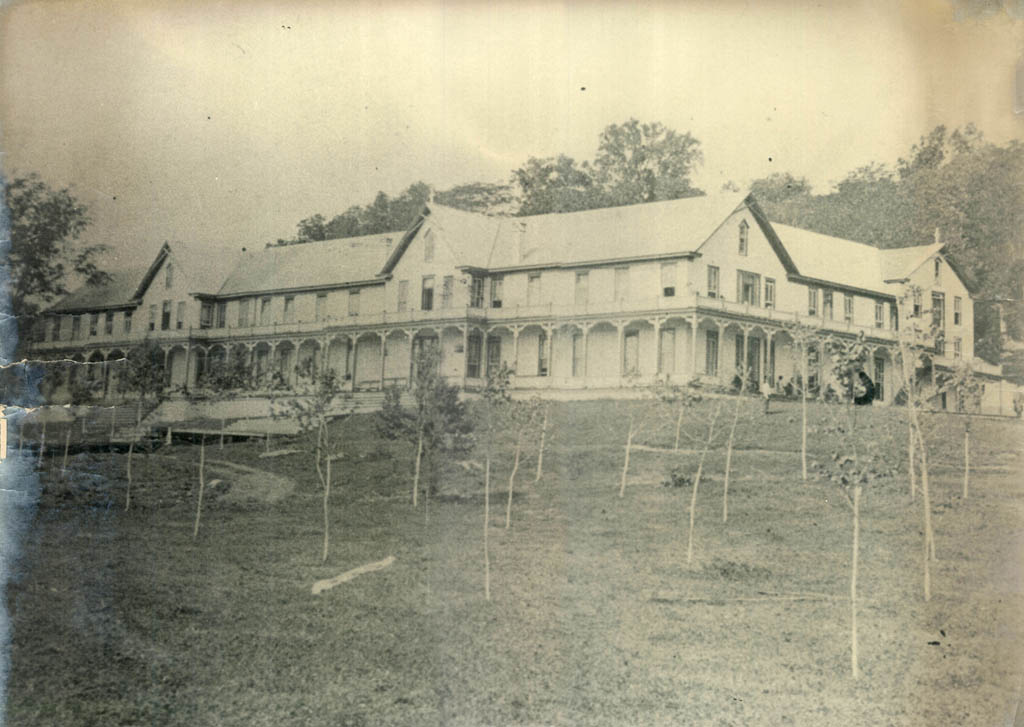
(44, 255)
(646, 162)
(556, 184)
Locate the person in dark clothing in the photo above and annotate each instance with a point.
(868, 394)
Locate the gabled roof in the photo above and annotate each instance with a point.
(650, 230)
(844, 263)
(118, 292)
(324, 264)
(898, 263)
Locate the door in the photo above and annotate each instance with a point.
(631, 352)
(493, 354)
(668, 351)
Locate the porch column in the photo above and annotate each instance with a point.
(720, 331)
(621, 328)
(410, 335)
(744, 373)
(693, 348)
(767, 372)
(383, 355)
(586, 351)
(550, 330)
(515, 347)
(188, 365)
(657, 346)
(483, 355)
(465, 355)
(295, 364)
(349, 349)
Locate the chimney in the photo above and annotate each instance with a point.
(938, 235)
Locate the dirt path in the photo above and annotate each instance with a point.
(249, 484)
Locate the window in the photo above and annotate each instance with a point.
(938, 310)
(321, 306)
(447, 288)
(769, 292)
(748, 286)
(152, 317)
(542, 353)
(957, 347)
(474, 343)
(427, 293)
(76, 327)
(711, 353)
(108, 324)
(476, 292)
(264, 311)
(428, 249)
(744, 234)
(578, 355)
(533, 289)
(812, 301)
(668, 279)
(94, 323)
(55, 331)
(713, 281)
(243, 312)
(493, 354)
(165, 316)
(826, 304)
(880, 378)
(580, 293)
(957, 310)
(631, 352)
(169, 276)
(222, 313)
(938, 267)
(894, 317)
(621, 290)
(353, 302)
(497, 283)
(206, 315)
(879, 314)
(848, 308)
(403, 295)
(917, 303)
(289, 309)
(181, 314)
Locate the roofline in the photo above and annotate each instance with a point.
(165, 251)
(404, 243)
(602, 262)
(797, 278)
(769, 232)
(302, 289)
(91, 308)
(958, 271)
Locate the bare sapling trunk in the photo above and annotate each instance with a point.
(327, 518)
(803, 407)
(696, 483)
(268, 441)
(113, 422)
(967, 455)
(853, 582)
(21, 438)
(202, 485)
(540, 453)
(679, 428)
(138, 413)
(910, 455)
(487, 524)
(64, 462)
(512, 480)
(625, 464)
(128, 493)
(416, 469)
(223, 424)
(728, 462)
(42, 445)
(926, 493)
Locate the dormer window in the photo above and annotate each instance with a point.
(744, 234)
(938, 267)
(169, 276)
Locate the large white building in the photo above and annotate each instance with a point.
(682, 289)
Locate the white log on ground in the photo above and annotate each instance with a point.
(328, 583)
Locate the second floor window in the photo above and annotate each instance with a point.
(403, 295)
(180, 323)
(713, 291)
(580, 292)
(938, 310)
(165, 316)
(812, 301)
(748, 285)
(321, 306)
(108, 324)
(289, 309)
(957, 348)
(497, 283)
(128, 321)
(894, 317)
(879, 314)
(55, 331)
(621, 291)
(533, 289)
(476, 292)
(264, 311)
(848, 308)
(243, 312)
(769, 292)
(427, 293)
(94, 323)
(744, 235)
(447, 290)
(152, 317)
(826, 304)
(668, 279)
(206, 315)
(917, 304)
(353, 302)
(957, 310)
(76, 327)
(222, 314)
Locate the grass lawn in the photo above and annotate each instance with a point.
(120, 618)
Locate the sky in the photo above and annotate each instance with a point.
(225, 123)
